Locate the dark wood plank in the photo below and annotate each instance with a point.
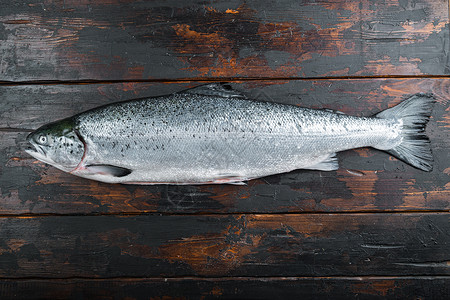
(233, 245)
(230, 288)
(368, 180)
(71, 40)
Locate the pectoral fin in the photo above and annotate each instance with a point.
(108, 170)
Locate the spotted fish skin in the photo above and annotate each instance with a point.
(213, 135)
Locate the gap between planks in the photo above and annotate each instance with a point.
(227, 278)
(219, 214)
(213, 79)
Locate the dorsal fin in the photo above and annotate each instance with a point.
(215, 89)
(333, 111)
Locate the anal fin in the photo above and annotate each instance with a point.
(329, 163)
(229, 178)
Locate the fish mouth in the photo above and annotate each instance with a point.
(38, 152)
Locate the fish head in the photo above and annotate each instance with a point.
(58, 144)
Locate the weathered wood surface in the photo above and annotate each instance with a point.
(230, 288)
(376, 228)
(116, 40)
(232, 245)
(368, 180)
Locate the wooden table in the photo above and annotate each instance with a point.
(376, 228)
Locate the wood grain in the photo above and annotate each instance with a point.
(116, 40)
(230, 288)
(375, 229)
(368, 180)
(233, 245)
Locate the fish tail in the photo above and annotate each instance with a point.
(414, 147)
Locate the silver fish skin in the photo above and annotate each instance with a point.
(211, 134)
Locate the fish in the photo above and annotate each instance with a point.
(212, 134)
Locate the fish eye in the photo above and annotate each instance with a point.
(42, 139)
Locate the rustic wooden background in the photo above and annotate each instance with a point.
(376, 228)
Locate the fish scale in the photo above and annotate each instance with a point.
(211, 134)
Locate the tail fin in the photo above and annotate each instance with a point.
(415, 146)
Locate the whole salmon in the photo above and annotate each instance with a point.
(212, 134)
